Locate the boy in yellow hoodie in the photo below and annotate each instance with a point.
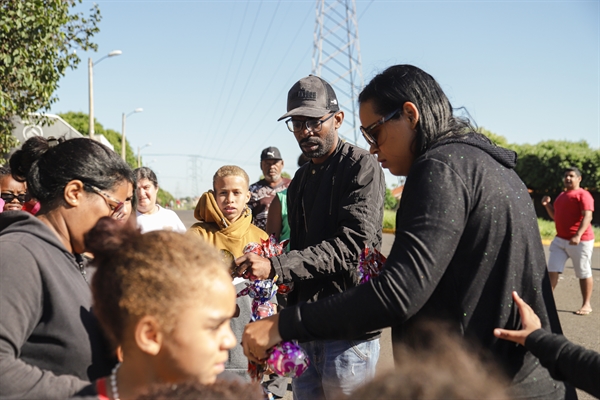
(226, 222)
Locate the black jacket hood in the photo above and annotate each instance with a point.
(506, 157)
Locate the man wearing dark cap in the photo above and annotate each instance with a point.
(265, 190)
(335, 208)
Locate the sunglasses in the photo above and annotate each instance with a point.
(9, 197)
(118, 209)
(372, 140)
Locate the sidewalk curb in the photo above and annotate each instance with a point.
(545, 242)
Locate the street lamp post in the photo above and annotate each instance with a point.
(137, 110)
(139, 151)
(91, 87)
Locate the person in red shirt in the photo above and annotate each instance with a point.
(572, 215)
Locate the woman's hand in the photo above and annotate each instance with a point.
(529, 320)
(260, 336)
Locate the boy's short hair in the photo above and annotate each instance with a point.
(231, 170)
(573, 169)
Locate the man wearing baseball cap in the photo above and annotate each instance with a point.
(265, 189)
(335, 209)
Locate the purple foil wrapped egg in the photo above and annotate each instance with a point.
(288, 359)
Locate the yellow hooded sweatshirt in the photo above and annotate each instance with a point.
(232, 236)
(223, 234)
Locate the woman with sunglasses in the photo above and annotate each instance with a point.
(466, 237)
(50, 344)
(12, 191)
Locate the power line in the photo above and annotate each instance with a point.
(277, 99)
(196, 156)
(258, 56)
(229, 64)
(226, 109)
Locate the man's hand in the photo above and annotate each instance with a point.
(529, 320)
(575, 240)
(253, 265)
(546, 200)
(259, 337)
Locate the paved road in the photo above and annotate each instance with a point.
(583, 330)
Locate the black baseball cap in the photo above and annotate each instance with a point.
(311, 97)
(270, 153)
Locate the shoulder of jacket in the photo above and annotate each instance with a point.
(353, 155)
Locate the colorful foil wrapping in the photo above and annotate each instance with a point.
(370, 264)
(287, 358)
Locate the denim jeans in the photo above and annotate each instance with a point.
(336, 366)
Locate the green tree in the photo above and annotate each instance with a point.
(37, 43)
(163, 197)
(541, 166)
(496, 139)
(80, 121)
(390, 202)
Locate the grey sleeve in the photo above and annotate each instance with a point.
(20, 310)
(359, 222)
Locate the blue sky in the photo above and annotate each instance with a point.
(212, 76)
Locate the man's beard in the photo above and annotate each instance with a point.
(273, 178)
(324, 146)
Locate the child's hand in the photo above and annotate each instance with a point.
(529, 319)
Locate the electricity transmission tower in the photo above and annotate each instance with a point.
(193, 169)
(336, 58)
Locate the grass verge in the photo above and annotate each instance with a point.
(547, 229)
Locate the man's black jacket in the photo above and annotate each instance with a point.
(334, 210)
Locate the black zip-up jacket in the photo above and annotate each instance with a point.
(50, 343)
(466, 237)
(334, 209)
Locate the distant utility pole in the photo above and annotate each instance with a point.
(336, 58)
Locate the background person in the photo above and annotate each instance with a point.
(572, 213)
(50, 344)
(466, 237)
(166, 300)
(565, 361)
(263, 191)
(335, 208)
(13, 192)
(225, 221)
(277, 221)
(150, 215)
